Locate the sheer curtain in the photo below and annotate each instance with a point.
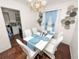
(49, 20)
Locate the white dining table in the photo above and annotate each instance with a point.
(41, 44)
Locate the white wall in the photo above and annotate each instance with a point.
(4, 40)
(74, 44)
(27, 20)
(62, 7)
(74, 41)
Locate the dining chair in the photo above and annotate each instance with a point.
(30, 53)
(27, 33)
(34, 30)
(52, 46)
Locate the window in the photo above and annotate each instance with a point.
(49, 20)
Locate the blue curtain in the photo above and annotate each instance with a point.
(53, 15)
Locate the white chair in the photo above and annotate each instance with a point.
(52, 46)
(30, 53)
(27, 33)
(34, 30)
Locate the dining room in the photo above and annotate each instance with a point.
(49, 29)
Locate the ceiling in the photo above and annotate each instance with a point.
(49, 2)
(56, 1)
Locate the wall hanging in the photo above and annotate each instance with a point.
(70, 18)
(39, 20)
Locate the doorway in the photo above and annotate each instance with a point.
(12, 23)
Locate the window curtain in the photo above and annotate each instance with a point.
(49, 20)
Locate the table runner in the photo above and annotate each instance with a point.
(36, 38)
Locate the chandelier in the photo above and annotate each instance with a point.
(37, 5)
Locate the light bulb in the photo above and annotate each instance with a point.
(44, 3)
(31, 4)
(29, 0)
(39, 0)
(37, 5)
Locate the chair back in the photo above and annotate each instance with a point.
(59, 40)
(24, 48)
(34, 30)
(52, 46)
(28, 32)
(60, 34)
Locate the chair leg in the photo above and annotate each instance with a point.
(41, 53)
(37, 57)
(52, 57)
(27, 57)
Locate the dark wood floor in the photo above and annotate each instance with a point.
(63, 52)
